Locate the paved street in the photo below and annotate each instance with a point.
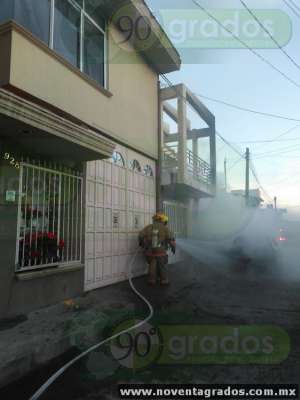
(203, 292)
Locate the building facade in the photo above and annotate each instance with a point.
(186, 176)
(79, 142)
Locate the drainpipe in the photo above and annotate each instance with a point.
(159, 200)
(182, 135)
(213, 156)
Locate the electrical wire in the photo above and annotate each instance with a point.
(172, 86)
(281, 135)
(294, 5)
(267, 141)
(58, 373)
(275, 154)
(262, 58)
(236, 162)
(270, 35)
(249, 110)
(232, 146)
(254, 173)
(291, 8)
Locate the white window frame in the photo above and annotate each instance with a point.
(84, 15)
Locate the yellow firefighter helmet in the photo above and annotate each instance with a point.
(160, 217)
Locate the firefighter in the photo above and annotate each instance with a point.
(156, 239)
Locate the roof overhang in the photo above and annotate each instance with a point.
(39, 132)
(157, 49)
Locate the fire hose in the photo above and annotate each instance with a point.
(58, 373)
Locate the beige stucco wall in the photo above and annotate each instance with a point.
(129, 116)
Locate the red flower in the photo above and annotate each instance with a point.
(51, 236)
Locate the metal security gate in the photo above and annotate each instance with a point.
(49, 229)
(178, 217)
(120, 201)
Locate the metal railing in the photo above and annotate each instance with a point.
(178, 218)
(49, 229)
(197, 167)
(170, 154)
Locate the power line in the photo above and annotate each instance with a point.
(171, 85)
(268, 141)
(278, 137)
(286, 132)
(295, 5)
(288, 157)
(271, 115)
(236, 162)
(291, 8)
(232, 146)
(270, 35)
(254, 173)
(262, 58)
(276, 154)
(225, 103)
(282, 134)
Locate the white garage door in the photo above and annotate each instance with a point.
(120, 201)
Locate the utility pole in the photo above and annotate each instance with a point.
(275, 203)
(247, 186)
(225, 173)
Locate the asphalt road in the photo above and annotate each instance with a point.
(207, 289)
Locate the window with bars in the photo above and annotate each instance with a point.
(49, 229)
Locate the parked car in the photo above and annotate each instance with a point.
(261, 241)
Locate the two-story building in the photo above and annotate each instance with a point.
(79, 143)
(187, 177)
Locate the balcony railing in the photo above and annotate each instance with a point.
(199, 168)
(196, 167)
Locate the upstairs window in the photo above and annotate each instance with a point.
(79, 36)
(75, 29)
(34, 15)
(6, 10)
(94, 48)
(67, 31)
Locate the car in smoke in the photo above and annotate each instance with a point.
(261, 241)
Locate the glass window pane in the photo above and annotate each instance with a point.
(35, 16)
(6, 10)
(93, 52)
(67, 31)
(94, 10)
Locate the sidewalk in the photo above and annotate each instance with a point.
(36, 339)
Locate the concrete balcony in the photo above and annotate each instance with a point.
(196, 181)
(184, 172)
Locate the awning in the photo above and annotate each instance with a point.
(40, 132)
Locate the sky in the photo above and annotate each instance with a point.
(237, 76)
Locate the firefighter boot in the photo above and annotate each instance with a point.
(164, 278)
(152, 273)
